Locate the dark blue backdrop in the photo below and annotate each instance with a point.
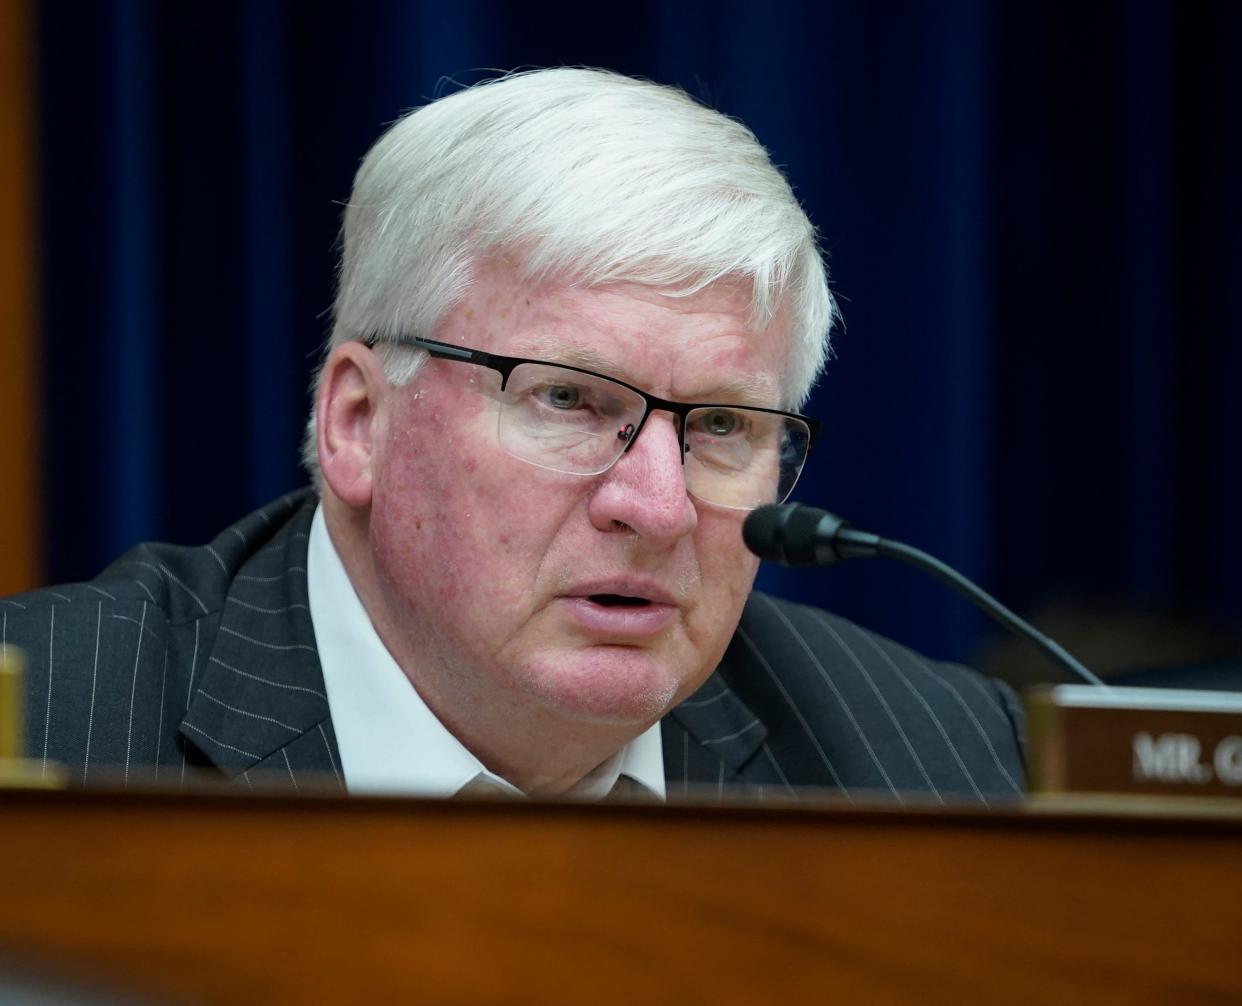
(1033, 213)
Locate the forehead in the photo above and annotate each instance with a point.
(689, 347)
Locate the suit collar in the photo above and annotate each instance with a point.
(260, 689)
(722, 724)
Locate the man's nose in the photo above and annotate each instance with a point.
(646, 489)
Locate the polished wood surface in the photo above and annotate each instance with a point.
(20, 559)
(223, 899)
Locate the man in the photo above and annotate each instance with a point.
(575, 314)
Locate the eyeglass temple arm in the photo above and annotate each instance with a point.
(447, 352)
(503, 365)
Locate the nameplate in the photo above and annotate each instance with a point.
(1084, 739)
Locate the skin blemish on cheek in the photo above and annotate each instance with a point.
(471, 464)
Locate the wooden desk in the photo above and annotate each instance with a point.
(232, 899)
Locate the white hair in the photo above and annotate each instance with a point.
(580, 176)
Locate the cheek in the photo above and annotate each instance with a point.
(452, 519)
(728, 573)
(722, 550)
(428, 496)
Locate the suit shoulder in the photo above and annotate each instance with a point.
(835, 676)
(818, 634)
(184, 582)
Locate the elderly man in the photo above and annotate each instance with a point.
(575, 314)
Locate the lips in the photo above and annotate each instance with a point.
(620, 611)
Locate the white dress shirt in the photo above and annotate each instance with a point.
(389, 740)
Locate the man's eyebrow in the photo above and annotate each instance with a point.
(745, 389)
(580, 356)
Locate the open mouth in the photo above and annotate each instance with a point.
(614, 617)
(619, 601)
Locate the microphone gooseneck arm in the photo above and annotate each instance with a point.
(797, 535)
(988, 604)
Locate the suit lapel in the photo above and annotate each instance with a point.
(709, 739)
(259, 701)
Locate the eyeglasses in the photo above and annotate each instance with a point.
(567, 419)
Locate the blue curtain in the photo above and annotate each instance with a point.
(1032, 210)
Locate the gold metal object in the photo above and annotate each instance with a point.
(16, 770)
(12, 719)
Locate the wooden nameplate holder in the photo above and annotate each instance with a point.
(1090, 740)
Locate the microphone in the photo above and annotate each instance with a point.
(796, 535)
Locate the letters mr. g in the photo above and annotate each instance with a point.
(1176, 758)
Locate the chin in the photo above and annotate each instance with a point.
(609, 684)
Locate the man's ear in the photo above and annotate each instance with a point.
(348, 421)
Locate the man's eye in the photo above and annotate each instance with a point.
(562, 396)
(720, 423)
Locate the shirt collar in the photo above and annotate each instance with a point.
(390, 741)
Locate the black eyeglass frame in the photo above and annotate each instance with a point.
(505, 365)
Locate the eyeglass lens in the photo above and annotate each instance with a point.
(578, 423)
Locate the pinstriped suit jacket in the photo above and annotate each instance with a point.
(179, 660)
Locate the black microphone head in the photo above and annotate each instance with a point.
(792, 534)
(761, 531)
